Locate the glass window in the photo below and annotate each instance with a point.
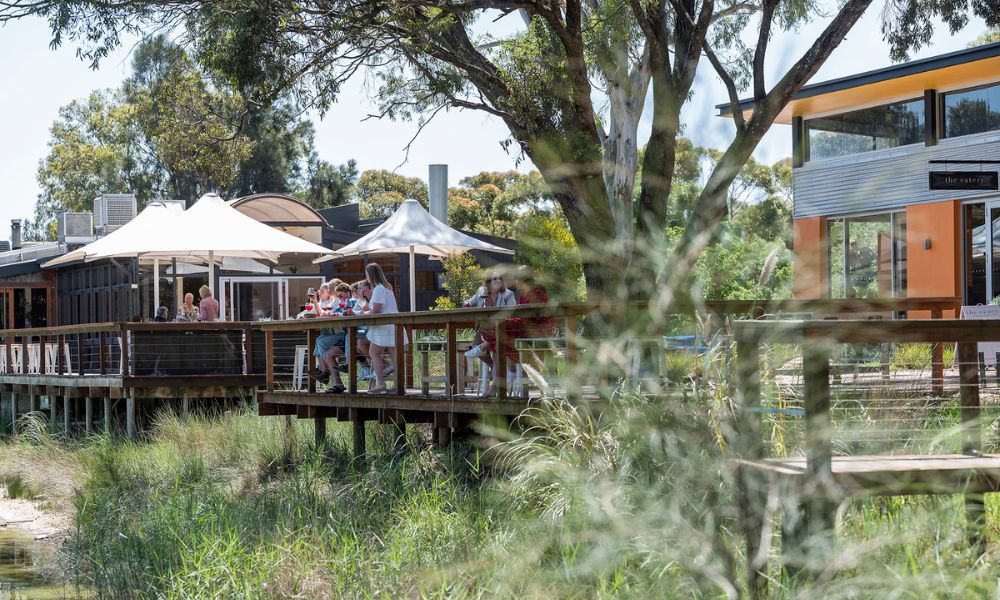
(972, 111)
(866, 130)
(868, 256)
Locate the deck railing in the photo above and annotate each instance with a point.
(137, 352)
(286, 342)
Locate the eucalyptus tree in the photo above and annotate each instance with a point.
(549, 81)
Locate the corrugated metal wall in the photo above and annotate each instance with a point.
(887, 179)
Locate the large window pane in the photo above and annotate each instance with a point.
(899, 256)
(869, 257)
(975, 254)
(835, 232)
(866, 130)
(972, 111)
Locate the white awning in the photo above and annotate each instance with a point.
(411, 229)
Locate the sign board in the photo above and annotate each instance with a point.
(963, 180)
(989, 350)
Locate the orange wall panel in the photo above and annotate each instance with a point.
(811, 257)
(935, 271)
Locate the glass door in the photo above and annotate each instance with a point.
(982, 252)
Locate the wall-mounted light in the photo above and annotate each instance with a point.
(927, 243)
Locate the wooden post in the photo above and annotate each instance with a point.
(67, 412)
(269, 353)
(34, 405)
(818, 494)
(425, 371)
(408, 357)
(88, 413)
(288, 440)
(310, 361)
(359, 440)
(569, 379)
(748, 442)
(185, 407)
(968, 372)
(101, 353)
(248, 349)
(352, 363)
(443, 437)
(398, 357)
(79, 355)
(42, 355)
(451, 358)
(13, 413)
(320, 431)
(130, 424)
(125, 371)
(937, 361)
(107, 414)
(500, 360)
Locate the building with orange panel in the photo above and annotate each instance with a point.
(895, 180)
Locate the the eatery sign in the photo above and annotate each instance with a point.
(963, 180)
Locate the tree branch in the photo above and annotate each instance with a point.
(734, 96)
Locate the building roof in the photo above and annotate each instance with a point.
(963, 68)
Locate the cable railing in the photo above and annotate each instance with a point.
(435, 365)
(135, 352)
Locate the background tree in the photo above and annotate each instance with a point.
(169, 132)
(541, 81)
(380, 192)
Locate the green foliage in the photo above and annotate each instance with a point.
(462, 277)
(547, 247)
(170, 132)
(380, 192)
(988, 37)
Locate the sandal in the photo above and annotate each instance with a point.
(337, 389)
(378, 390)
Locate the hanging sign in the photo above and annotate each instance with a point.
(963, 180)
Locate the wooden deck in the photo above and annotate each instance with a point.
(894, 475)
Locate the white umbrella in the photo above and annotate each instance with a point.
(212, 229)
(241, 265)
(414, 230)
(128, 240)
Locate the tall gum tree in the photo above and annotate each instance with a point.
(548, 82)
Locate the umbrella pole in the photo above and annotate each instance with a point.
(413, 280)
(156, 285)
(211, 271)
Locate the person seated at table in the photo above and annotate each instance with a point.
(208, 308)
(161, 315)
(328, 336)
(529, 291)
(187, 311)
(311, 308)
(493, 293)
(381, 337)
(360, 292)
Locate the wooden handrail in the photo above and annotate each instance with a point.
(864, 331)
(733, 307)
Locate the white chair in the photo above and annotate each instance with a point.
(299, 367)
(515, 387)
(52, 358)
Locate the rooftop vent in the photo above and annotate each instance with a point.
(15, 234)
(75, 228)
(111, 211)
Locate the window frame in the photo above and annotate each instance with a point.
(942, 113)
(807, 141)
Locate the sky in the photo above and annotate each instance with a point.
(36, 81)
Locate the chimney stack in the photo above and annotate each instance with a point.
(15, 234)
(437, 179)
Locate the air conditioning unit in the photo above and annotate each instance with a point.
(111, 211)
(75, 228)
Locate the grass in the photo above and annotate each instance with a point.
(635, 500)
(17, 487)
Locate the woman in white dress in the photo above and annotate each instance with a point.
(380, 337)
